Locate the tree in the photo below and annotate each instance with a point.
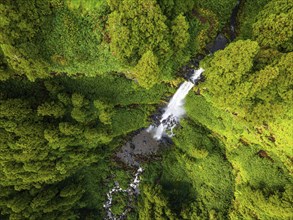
(153, 204)
(180, 32)
(46, 138)
(271, 91)
(57, 201)
(147, 70)
(273, 27)
(18, 53)
(252, 203)
(43, 38)
(135, 27)
(228, 70)
(234, 83)
(180, 37)
(221, 8)
(173, 8)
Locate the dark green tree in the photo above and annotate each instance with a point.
(58, 201)
(19, 26)
(173, 8)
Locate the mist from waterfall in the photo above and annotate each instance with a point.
(175, 109)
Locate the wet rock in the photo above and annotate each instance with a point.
(202, 78)
(197, 92)
(132, 146)
(219, 44)
(233, 20)
(166, 141)
(142, 144)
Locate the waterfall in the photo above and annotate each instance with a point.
(175, 109)
(173, 112)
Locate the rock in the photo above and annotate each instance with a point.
(219, 44)
(233, 20)
(197, 92)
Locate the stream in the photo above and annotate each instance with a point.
(148, 141)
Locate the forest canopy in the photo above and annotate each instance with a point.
(79, 78)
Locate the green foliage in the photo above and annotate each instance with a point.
(113, 90)
(253, 204)
(92, 6)
(51, 109)
(126, 120)
(190, 185)
(173, 8)
(262, 178)
(105, 111)
(61, 124)
(235, 131)
(268, 22)
(181, 38)
(39, 39)
(147, 70)
(19, 26)
(36, 138)
(82, 48)
(269, 100)
(59, 201)
(222, 8)
(251, 166)
(136, 27)
(264, 187)
(153, 204)
(80, 37)
(273, 26)
(256, 95)
(144, 38)
(33, 150)
(247, 16)
(228, 69)
(50, 130)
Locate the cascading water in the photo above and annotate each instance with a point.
(131, 191)
(174, 110)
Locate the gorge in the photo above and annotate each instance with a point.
(162, 128)
(135, 109)
(169, 119)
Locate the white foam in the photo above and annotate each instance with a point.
(175, 109)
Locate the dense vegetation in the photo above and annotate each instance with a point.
(78, 77)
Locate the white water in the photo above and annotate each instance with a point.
(173, 112)
(175, 109)
(131, 190)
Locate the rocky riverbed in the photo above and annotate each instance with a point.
(140, 146)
